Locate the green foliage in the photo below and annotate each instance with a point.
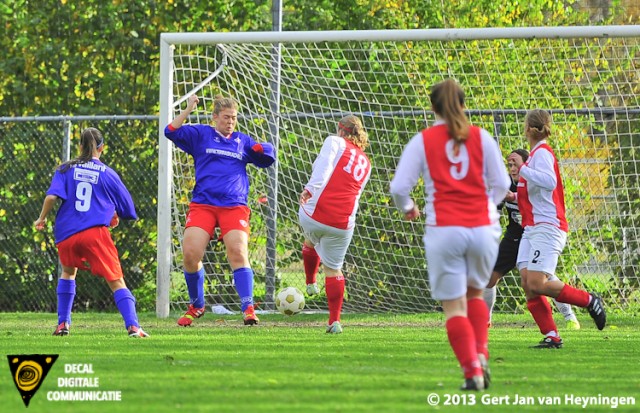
(28, 258)
(92, 57)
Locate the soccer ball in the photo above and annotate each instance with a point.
(290, 301)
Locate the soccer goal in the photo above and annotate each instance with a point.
(292, 88)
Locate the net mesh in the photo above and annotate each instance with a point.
(590, 85)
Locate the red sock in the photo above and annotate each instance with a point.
(573, 296)
(478, 315)
(311, 261)
(334, 287)
(463, 343)
(541, 311)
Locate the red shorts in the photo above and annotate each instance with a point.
(209, 217)
(94, 250)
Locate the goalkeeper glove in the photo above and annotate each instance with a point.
(257, 148)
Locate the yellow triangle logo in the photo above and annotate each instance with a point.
(28, 372)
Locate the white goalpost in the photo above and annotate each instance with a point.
(292, 87)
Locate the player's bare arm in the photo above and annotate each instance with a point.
(192, 102)
(47, 206)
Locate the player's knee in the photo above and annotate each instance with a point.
(495, 277)
(236, 252)
(238, 257)
(192, 257)
(536, 287)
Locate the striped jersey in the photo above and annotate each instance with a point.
(340, 173)
(540, 189)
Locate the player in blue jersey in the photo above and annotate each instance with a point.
(508, 250)
(94, 198)
(219, 199)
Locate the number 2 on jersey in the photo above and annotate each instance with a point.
(83, 195)
(360, 169)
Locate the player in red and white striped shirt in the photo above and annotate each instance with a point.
(540, 198)
(328, 206)
(465, 178)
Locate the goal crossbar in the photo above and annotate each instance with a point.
(293, 86)
(540, 32)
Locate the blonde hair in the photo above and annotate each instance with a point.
(354, 131)
(537, 124)
(221, 103)
(447, 100)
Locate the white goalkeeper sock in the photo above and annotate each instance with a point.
(564, 308)
(489, 296)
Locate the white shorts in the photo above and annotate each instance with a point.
(330, 243)
(460, 257)
(540, 248)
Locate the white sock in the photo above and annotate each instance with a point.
(564, 308)
(489, 296)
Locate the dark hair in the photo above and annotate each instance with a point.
(90, 140)
(524, 154)
(447, 100)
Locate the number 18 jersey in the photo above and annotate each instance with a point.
(340, 173)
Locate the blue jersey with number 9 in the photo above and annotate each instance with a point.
(90, 194)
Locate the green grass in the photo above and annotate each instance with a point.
(381, 363)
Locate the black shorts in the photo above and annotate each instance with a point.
(507, 255)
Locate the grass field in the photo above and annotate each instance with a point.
(381, 363)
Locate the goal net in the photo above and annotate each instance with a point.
(293, 87)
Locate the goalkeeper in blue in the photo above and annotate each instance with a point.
(94, 198)
(219, 199)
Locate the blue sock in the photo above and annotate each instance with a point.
(195, 286)
(127, 306)
(243, 279)
(66, 293)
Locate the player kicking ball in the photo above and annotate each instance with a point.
(328, 207)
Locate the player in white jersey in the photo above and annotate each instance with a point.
(540, 198)
(465, 178)
(508, 251)
(328, 207)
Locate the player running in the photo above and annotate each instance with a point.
(93, 199)
(328, 207)
(464, 179)
(540, 198)
(508, 250)
(219, 199)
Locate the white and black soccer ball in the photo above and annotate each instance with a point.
(290, 301)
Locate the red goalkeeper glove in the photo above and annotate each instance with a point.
(257, 148)
(115, 220)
